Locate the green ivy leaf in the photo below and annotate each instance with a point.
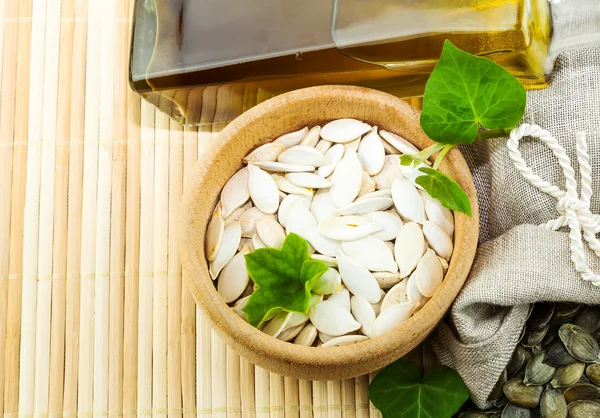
(465, 91)
(284, 279)
(407, 160)
(445, 189)
(399, 391)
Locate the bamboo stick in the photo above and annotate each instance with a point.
(261, 388)
(31, 212)
(144, 392)
(161, 230)
(276, 395)
(132, 252)
(76, 132)
(247, 388)
(174, 268)
(305, 398)
(234, 400)
(203, 366)
(7, 110)
(348, 399)
(334, 398)
(218, 351)
(46, 202)
(132, 258)
(85, 391)
(373, 411)
(61, 184)
(188, 306)
(319, 399)
(117, 221)
(362, 396)
(291, 397)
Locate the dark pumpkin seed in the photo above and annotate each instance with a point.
(497, 390)
(589, 319)
(579, 343)
(540, 316)
(520, 357)
(521, 395)
(566, 309)
(593, 373)
(548, 339)
(474, 414)
(568, 375)
(584, 409)
(582, 392)
(515, 411)
(553, 404)
(537, 372)
(558, 356)
(533, 338)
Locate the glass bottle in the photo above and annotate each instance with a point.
(207, 61)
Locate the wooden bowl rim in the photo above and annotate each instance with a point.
(239, 333)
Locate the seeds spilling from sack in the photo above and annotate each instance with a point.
(342, 189)
(555, 369)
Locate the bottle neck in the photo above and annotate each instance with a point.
(575, 24)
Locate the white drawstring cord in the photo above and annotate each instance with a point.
(574, 210)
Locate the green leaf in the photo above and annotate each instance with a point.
(284, 279)
(445, 189)
(407, 159)
(400, 392)
(465, 91)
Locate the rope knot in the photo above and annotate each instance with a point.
(574, 209)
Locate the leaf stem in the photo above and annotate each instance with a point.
(492, 133)
(442, 155)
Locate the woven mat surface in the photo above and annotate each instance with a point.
(94, 317)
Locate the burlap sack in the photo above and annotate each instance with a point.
(518, 262)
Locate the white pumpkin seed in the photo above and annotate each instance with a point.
(389, 150)
(322, 146)
(409, 248)
(297, 318)
(411, 173)
(246, 242)
(257, 243)
(290, 333)
(387, 280)
(325, 337)
(321, 243)
(363, 206)
(322, 206)
(248, 221)
(329, 261)
(263, 190)
(393, 317)
(302, 155)
(371, 152)
(389, 222)
(344, 130)
(440, 215)
(300, 221)
(275, 326)
(229, 245)
(396, 294)
(312, 137)
(413, 294)
(396, 141)
(314, 299)
(390, 172)
(352, 145)
(237, 214)
(308, 180)
(348, 228)
(234, 278)
(332, 319)
(344, 340)
(292, 138)
(235, 192)
(290, 200)
(364, 313)
(266, 152)
(270, 232)
(377, 306)
(307, 336)
(239, 306)
(342, 298)
(277, 167)
(284, 185)
(330, 282)
(377, 193)
(407, 201)
(346, 180)
(438, 240)
(429, 274)
(368, 185)
(214, 234)
(371, 253)
(358, 279)
(333, 156)
(444, 264)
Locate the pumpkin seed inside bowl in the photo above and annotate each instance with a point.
(342, 189)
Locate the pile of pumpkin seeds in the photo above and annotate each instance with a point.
(555, 369)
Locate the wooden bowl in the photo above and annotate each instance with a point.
(263, 123)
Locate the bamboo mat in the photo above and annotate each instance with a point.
(94, 317)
